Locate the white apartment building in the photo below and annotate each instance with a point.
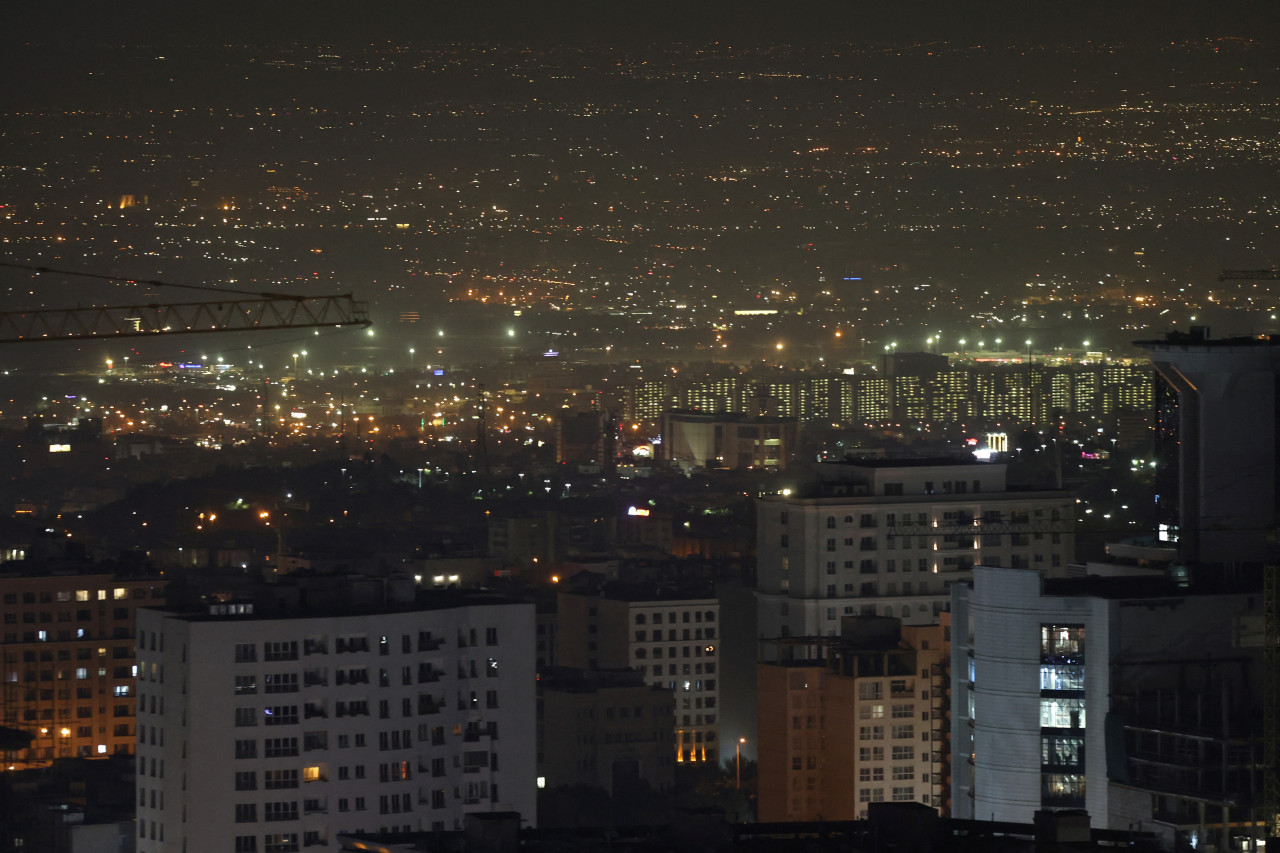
(1029, 699)
(887, 538)
(274, 734)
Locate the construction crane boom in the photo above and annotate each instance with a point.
(1249, 275)
(243, 314)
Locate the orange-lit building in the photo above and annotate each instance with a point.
(69, 661)
(867, 722)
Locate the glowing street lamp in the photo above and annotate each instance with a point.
(737, 760)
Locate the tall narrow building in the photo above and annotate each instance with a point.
(1217, 414)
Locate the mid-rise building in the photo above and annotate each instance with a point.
(69, 660)
(703, 440)
(1130, 697)
(274, 732)
(887, 537)
(669, 634)
(607, 729)
(863, 719)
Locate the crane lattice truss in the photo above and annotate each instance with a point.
(258, 313)
(1249, 275)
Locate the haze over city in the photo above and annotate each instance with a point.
(664, 386)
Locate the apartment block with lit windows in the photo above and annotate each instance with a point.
(68, 655)
(858, 719)
(888, 537)
(670, 635)
(272, 734)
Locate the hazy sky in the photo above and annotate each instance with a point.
(73, 24)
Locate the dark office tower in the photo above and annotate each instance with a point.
(1217, 417)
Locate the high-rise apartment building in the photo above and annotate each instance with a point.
(888, 537)
(69, 661)
(260, 733)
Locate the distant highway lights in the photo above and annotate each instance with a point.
(411, 359)
(304, 358)
(295, 365)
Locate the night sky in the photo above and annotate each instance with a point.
(932, 78)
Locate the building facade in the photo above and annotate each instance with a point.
(1130, 697)
(607, 729)
(272, 734)
(702, 440)
(865, 720)
(671, 636)
(69, 660)
(889, 538)
(1216, 445)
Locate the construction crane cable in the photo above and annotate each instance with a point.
(151, 281)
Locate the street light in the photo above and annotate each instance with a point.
(738, 759)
